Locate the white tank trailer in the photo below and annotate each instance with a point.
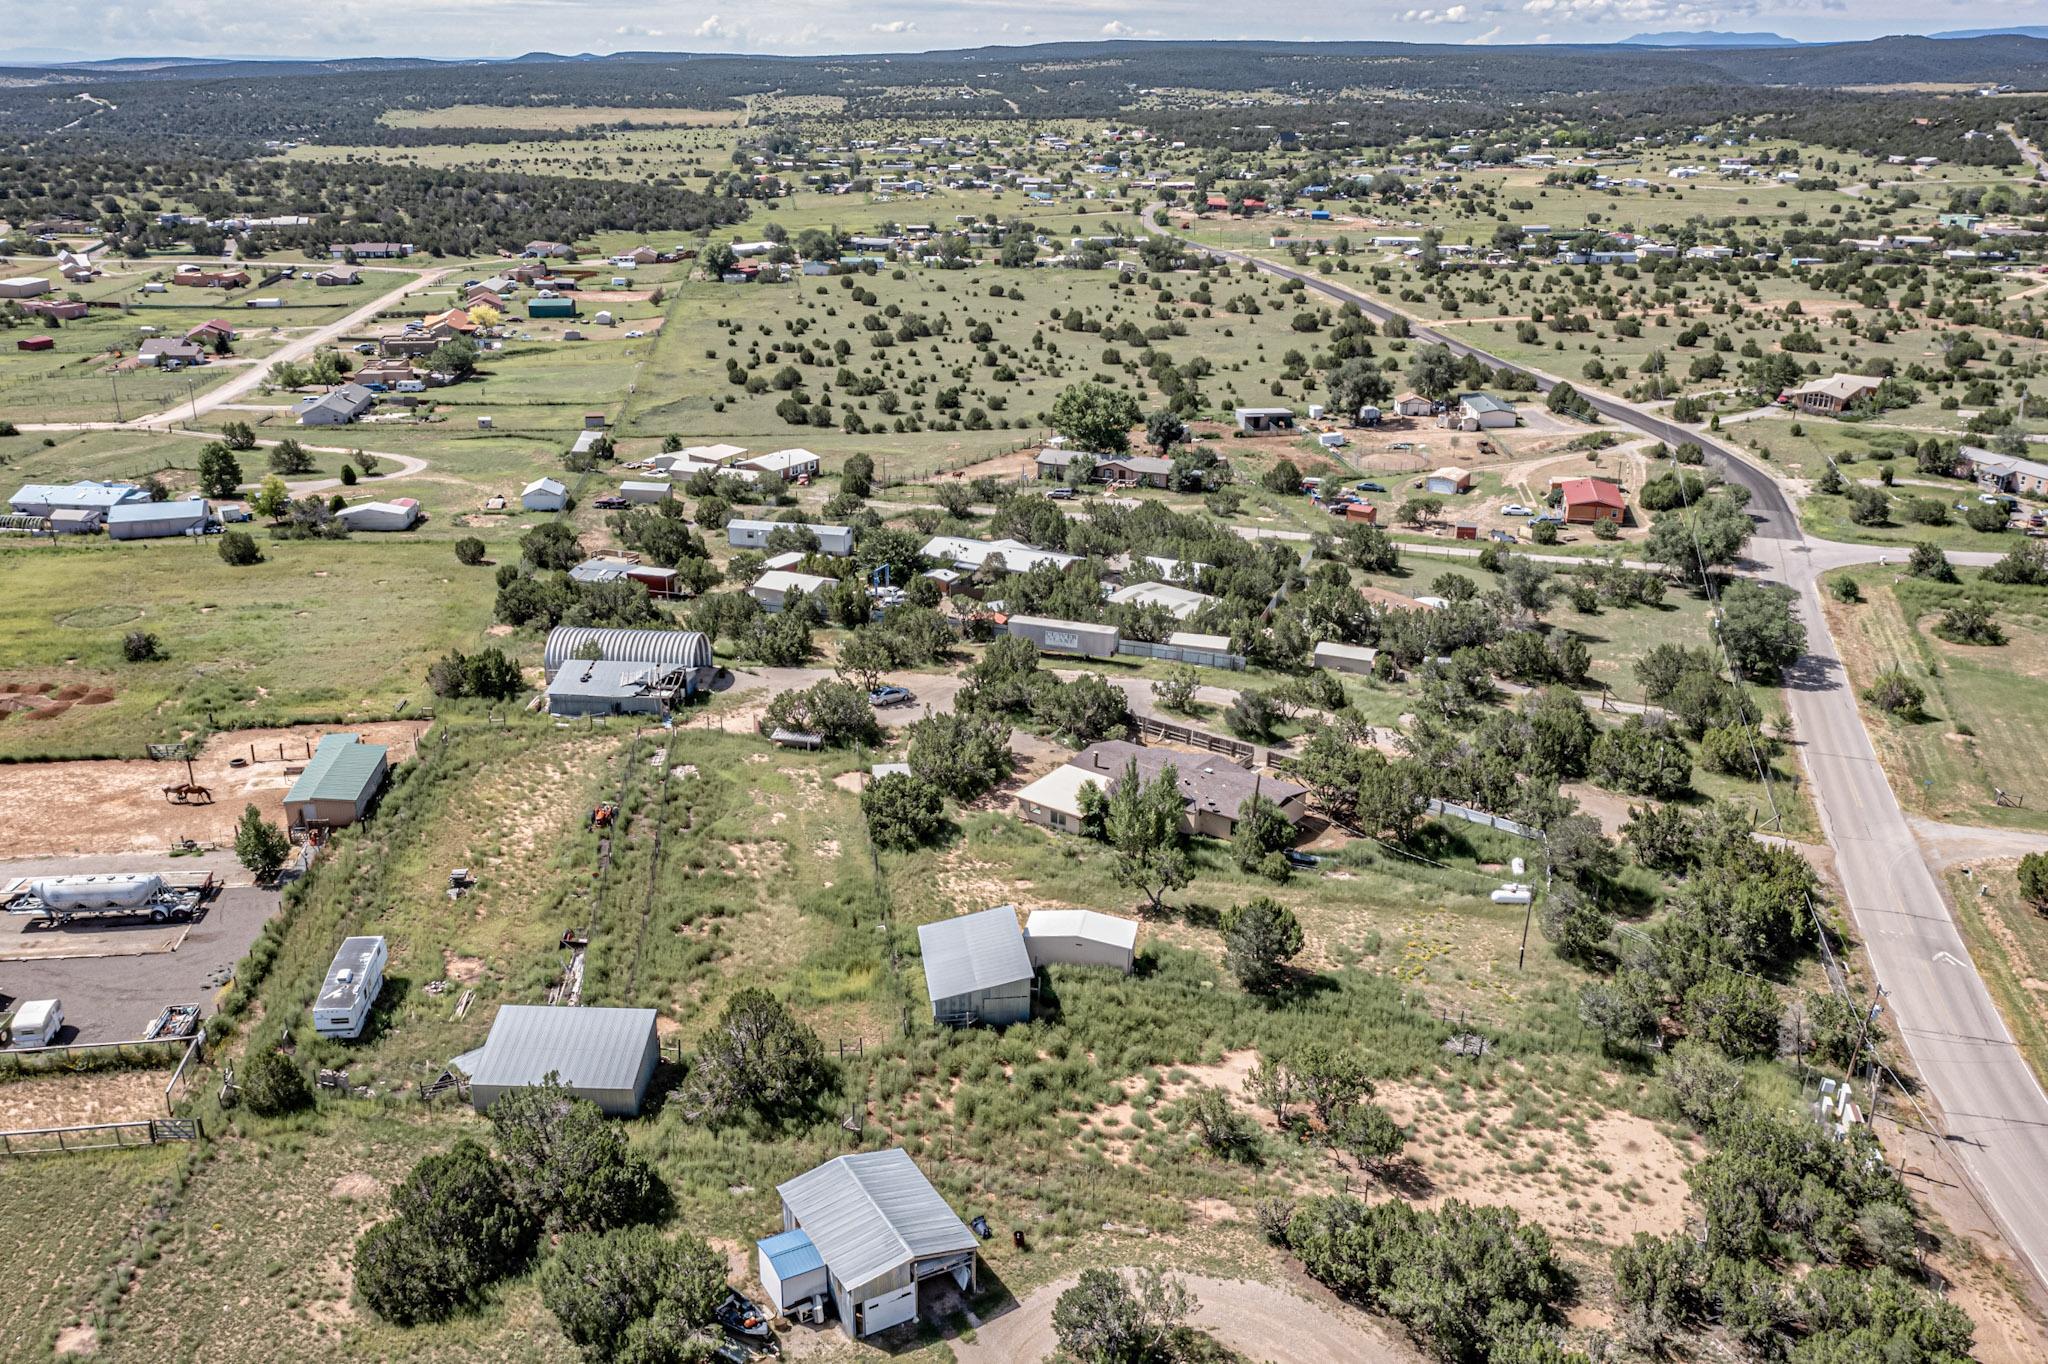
(60, 899)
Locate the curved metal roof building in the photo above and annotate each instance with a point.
(663, 648)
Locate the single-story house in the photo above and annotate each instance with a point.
(1080, 937)
(1262, 420)
(544, 494)
(774, 588)
(976, 968)
(789, 465)
(412, 343)
(400, 513)
(2002, 473)
(46, 499)
(545, 249)
(338, 276)
(1054, 800)
(338, 783)
(1181, 602)
(881, 1229)
(1479, 412)
(370, 250)
(644, 491)
(337, 408)
(604, 1055)
(1587, 500)
(24, 286)
(1344, 658)
(1148, 470)
(1213, 787)
(967, 555)
(61, 309)
(171, 353)
(158, 520)
(1414, 405)
(207, 331)
(1449, 480)
(385, 372)
(834, 540)
(1833, 395)
(713, 454)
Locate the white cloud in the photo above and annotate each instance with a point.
(1116, 28)
(1455, 14)
(635, 31)
(716, 28)
(1485, 37)
(893, 26)
(1678, 13)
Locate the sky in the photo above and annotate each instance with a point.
(503, 28)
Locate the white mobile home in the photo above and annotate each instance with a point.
(774, 588)
(400, 513)
(354, 980)
(834, 540)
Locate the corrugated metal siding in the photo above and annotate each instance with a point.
(973, 953)
(871, 1215)
(587, 1049)
(671, 648)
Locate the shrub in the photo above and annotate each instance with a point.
(1846, 590)
(457, 1230)
(140, 646)
(238, 547)
(1969, 622)
(568, 1165)
(758, 1058)
(1259, 938)
(903, 812)
(1927, 561)
(2033, 879)
(1895, 693)
(469, 550)
(633, 1294)
(1106, 1318)
(272, 1085)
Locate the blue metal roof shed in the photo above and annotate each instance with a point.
(791, 1269)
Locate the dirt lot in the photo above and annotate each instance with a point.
(1261, 1320)
(119, 806)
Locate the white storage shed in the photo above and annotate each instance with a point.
(1080, 937)
(976, 968)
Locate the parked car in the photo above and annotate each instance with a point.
(890, 696)
(635, 335)
(609, 502)
(1296, 858)
(1505, 537)
(1548, 519)
(366, 348)
(1060, 494)
(1368, 486)
(1516, 509)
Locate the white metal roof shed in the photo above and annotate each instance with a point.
(871, 1212)
(605, 1055)
(973, 952)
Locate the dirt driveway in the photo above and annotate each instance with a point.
(1260, 1320)
(118, 805)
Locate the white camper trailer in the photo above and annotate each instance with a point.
(354, 980)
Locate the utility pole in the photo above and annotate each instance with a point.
(1863, 1032)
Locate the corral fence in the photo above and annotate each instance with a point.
(1182, 653)
(1236, 750)
(103, 1136)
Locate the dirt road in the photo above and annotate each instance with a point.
(1263, 1321)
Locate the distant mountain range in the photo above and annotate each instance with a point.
(1709, 39)
(2016, 31)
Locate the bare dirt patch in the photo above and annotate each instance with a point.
(81, 1100)
(1604, 1180)
(118, 806)
(81, 1339)
(355, 1187)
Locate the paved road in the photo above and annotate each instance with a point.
(297, 349)
(1997, 1114)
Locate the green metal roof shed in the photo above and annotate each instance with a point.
(337, 786)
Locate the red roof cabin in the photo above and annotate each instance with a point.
(1587, 500)
(36, 343)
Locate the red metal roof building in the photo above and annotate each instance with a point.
(1592, 499)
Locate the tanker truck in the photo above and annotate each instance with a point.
(57, 900)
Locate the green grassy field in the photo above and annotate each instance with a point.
(329, 628)
(1984, 708)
